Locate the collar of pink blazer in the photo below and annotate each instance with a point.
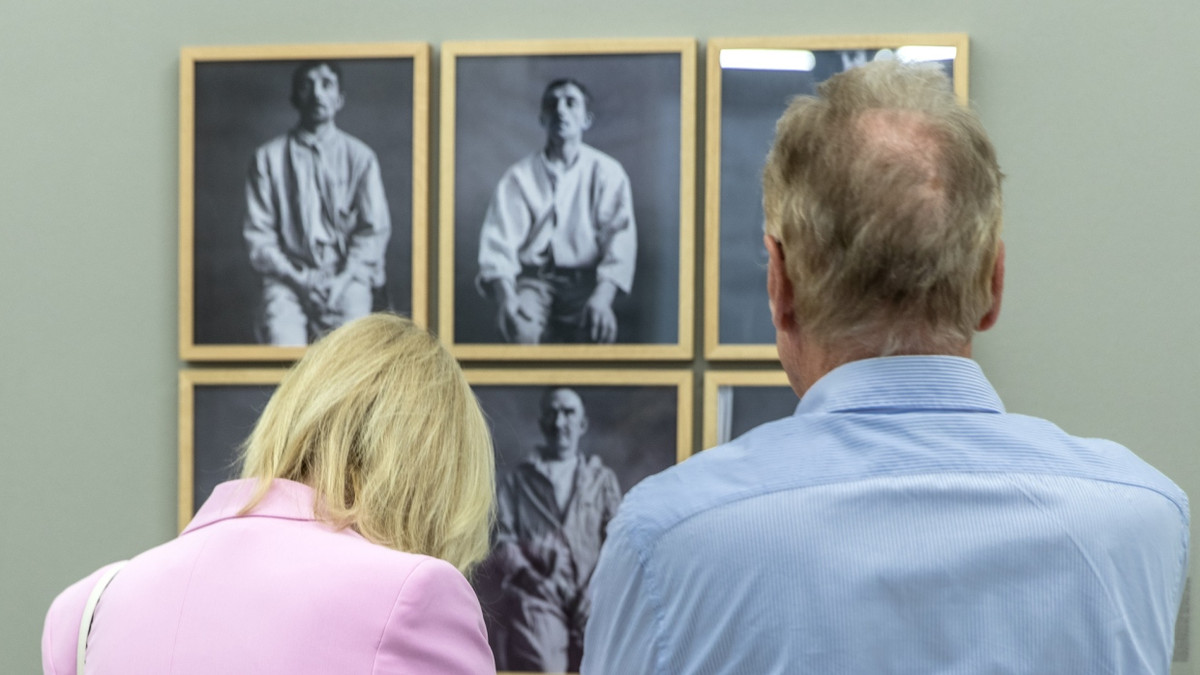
(285, 499)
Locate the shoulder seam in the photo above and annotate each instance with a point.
(392, 612)
(652, 592)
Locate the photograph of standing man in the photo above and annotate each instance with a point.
(559, 239)
(317, 221)
(552, 514)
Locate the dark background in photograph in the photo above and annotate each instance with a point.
(636, 106)
(755, 405)
(751, 102)
(631, 428)
(223, 416)
(239, 106)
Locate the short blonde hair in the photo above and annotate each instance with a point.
(379, 420)
(885, 195)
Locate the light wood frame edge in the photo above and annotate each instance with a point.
(681, 350)
(715, 379)
(189, 379)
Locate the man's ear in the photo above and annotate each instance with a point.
(779, 287)
(993, 313)
(587, 121)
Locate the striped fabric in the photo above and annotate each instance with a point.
(900, 522)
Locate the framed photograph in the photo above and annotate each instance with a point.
(303, 183)
(567, 217)
(217, 412)
(736, 401)
(750, 82)
(569, 444)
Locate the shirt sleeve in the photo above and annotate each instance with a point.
(369, 237)
(616, 229)
(261, 227)
(505, 228)
(610, 500)
(622, 633)
(436, 626)
(506, 557)
(60, 632)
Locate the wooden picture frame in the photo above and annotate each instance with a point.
(240, 168)
(745, 97)
(641, 111)
(624, 425)
(771, 398)
(217, 411)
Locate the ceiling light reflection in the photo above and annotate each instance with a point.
(768, 59)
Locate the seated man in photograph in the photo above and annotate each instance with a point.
(317, 221)
(552, 513)
(901, 521)
(559, 240)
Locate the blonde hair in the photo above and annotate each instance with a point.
(885, 195)
(379, 420)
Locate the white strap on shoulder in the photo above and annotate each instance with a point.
(85, 624)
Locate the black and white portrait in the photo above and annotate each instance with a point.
(566, 213)
(565, 455)
(217, 413)
(302, 209)
(756, 84)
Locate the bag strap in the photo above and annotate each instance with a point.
(85, 624)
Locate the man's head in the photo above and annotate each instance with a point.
(317, 91)
(563, 421)
(566, 109)
(883, 213)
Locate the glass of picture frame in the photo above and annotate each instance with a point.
(736, 401)
(218, 409)
(749, 83)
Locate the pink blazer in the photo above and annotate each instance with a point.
(273, 592)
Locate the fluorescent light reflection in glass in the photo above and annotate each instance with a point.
(768, 59)
(804, 60)
(919, 53)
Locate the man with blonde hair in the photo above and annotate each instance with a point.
(900, 520)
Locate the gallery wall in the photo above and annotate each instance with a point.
(1090, 105)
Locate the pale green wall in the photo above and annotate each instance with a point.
(1091, 105)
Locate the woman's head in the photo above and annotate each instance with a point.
(379, 420)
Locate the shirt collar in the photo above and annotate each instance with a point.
(553, 169)
(319, 140)
(284, 499)
(903, 384)
(543, 466)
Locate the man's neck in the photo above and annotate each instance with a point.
(806, 360)
(551, 455)
(317, 129)
(562, 151)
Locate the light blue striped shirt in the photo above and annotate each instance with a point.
(900, 522)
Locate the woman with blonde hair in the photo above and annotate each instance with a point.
(366, 494)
